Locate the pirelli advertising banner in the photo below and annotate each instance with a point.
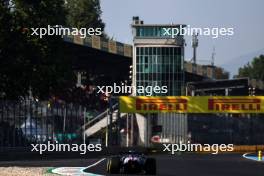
(188, 104)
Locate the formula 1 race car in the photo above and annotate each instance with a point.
(131, 163)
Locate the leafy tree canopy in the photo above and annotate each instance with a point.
(84, 13)
(253, 70)
(40, 64)
(28, 61)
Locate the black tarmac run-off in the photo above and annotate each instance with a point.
(168, 165)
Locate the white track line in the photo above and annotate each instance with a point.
(77, 170)
(92, 165)
(245, 155)
(250, 158)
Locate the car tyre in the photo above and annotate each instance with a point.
(113, 165)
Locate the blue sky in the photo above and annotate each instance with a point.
(245, 16)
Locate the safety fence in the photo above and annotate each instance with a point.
(25, 122)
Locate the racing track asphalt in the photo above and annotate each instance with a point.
(170, 165)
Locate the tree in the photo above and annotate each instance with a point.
(84, 14)
(253, 70)
(10, 46)
(28, 61)
(40, 64)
